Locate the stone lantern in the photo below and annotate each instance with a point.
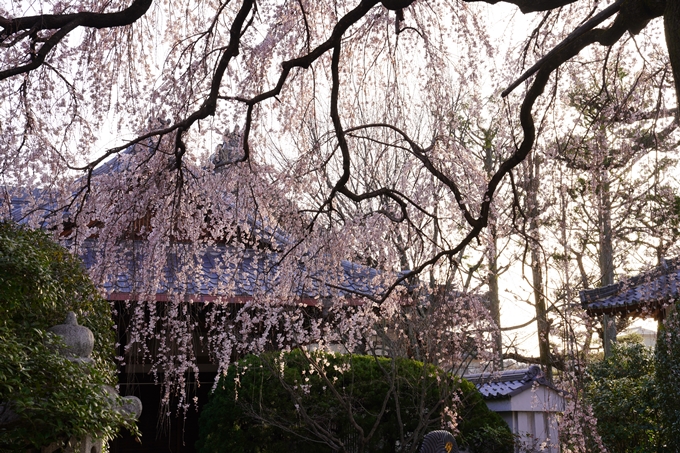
(79, 341)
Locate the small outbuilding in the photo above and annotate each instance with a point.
(527, 402)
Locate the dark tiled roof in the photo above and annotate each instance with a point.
(19, 204)
(507, 383)
(642, 295)
(221, 271)
(208, 271)
(213, 271)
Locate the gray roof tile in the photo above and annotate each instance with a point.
(507, 383)
(220, 275)
(643, 294)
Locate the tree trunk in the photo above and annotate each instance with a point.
(543, 324)
(494, 302)
(492, 280)
(606, 257)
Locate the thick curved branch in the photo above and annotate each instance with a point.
(634, 15)
(207, 108)
(529, 130)
(341, 184)
(550, 62)
(520, 326)
(592, 23)
(530, 6)
(305, 61)
(88, 19)
(39, 58)
(337, 124)
(210, 103)
(64, 23)
(556, 360)
(671, 22)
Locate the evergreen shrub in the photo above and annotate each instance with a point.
(279, 402)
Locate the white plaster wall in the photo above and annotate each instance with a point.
(532, 414)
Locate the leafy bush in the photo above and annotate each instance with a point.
(309, 402)
(668, 382)
(623, 393)
(49, 397)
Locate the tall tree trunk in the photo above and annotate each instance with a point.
(494, 301)
(543, 324)
(492, 279)
(606, 256)
(541, 309)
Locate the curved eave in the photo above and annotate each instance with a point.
(640, 309)
(236, 300)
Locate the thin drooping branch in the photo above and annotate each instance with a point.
(550, 64)
(421, 154)
(209, 105)
(304, 62)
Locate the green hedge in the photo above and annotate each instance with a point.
(623, 394)
(253, 408)
(667, 380)
(52, 397)
(40, 281)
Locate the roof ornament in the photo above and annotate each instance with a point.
(231, 149)
(535, 374)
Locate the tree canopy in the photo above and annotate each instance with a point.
(316, 82)
(624, 384)
(428, 146)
